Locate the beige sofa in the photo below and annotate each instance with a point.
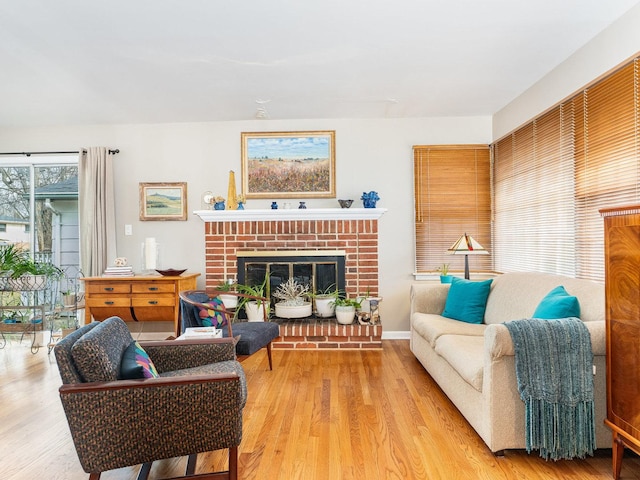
(474, 363)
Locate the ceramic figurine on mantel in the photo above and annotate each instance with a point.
(232, 202)
(370, 199)
(241, 201)
(218, 203)
(302, 205)
(274, 205)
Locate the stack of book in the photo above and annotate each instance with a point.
(113, 271)
(200, 332)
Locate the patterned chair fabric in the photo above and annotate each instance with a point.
(253, 336)
(194, 406)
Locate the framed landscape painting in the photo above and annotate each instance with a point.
(163, 201)
(289, 164)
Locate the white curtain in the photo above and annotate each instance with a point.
(97, 210)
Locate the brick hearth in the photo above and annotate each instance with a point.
(353, 230)
(327, 334)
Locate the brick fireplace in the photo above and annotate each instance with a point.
(355, 231)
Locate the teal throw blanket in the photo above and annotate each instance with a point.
(555, 380)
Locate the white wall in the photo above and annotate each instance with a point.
(612, 47)
(370, 155)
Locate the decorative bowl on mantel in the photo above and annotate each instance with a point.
(170, 272)
(345, 203)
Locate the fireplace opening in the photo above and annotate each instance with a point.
(319, 269)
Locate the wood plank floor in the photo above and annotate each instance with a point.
(318, 415)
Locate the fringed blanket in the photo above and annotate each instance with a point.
(555, 380)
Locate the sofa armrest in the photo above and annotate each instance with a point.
(171, 355)
(428, 297)
(498, 343)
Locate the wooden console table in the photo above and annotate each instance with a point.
(137, 299)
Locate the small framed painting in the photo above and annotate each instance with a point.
(163, 201)
(289, 164)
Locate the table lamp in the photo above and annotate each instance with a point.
(466, 246)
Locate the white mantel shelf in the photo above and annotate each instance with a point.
(290, 214)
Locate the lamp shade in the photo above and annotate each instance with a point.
(466, 245)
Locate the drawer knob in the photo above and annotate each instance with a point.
(153, 289)
(153, 302)
(108, 289)
(108, 303)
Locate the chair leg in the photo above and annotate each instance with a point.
(191, 464)
(269, 355)
(233, 463)
(143, 474)
(94, 476)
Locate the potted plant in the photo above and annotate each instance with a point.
(27, 274)
(444, 273)
(255, 308)
(325, 301)
(293, 299)
(230, 301)
(346, 309)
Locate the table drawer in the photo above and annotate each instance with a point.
(93, 288)
(153, 287)
(153, 301)
(95, 301)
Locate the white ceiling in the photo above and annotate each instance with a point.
(68, 62)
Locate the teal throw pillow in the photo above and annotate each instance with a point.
(467, 300)
(557, 304)
(136, 363)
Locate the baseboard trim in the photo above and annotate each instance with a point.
(397, 335)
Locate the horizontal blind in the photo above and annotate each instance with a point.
(533, 196)
(606, 161)
(452, 197)
(552, 176)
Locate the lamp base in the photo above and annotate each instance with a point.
(466, 267)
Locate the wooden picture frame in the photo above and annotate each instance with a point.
(163, 201)
(289, 164)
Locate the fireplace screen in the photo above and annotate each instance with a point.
(320, 270)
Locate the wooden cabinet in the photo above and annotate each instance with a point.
(622, 290)
(137, 299)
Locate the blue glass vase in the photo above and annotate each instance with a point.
(218, 206)
(369, 199)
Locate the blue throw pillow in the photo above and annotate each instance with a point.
(557, 304)
(467, 300)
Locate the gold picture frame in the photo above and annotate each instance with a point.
(289, 164)
(163, 201)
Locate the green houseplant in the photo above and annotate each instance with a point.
(255, 308)
(346, 309)
(325, 301)
(444, 273)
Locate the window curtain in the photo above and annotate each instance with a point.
(97, 210)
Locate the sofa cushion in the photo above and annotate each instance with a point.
(465, 353)
(431, 327)
(557, 304)
(97, 354)
(467, 300)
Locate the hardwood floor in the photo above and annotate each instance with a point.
(317, 415)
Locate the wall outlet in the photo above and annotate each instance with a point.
(128, 229)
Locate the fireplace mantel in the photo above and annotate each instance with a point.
(290, 214)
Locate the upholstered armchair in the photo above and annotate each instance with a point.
(181, 397)
(205, 308)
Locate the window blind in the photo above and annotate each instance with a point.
(553, 175)
(452, 197)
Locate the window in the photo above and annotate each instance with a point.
(3, 227)
(40, 196)
(553, 176)
(452, 197)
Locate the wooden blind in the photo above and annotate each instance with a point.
(553, 175)
(533, 196)
(452, 197)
